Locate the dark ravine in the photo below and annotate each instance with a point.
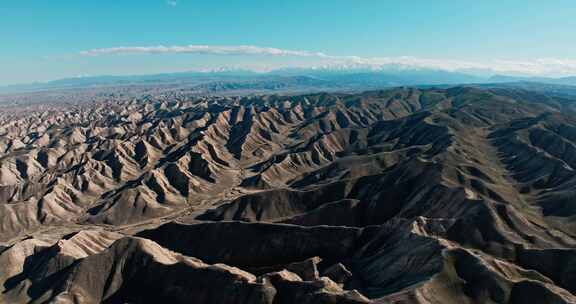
(456, 195)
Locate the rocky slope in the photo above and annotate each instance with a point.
(459, 195)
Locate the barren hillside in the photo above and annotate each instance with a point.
(459, 195)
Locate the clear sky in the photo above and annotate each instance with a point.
(43, 40)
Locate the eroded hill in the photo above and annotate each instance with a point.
(459, 195)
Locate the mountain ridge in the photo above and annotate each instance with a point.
(419, 195)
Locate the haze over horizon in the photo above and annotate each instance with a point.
(46, 41)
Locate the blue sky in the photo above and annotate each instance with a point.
(43, 40)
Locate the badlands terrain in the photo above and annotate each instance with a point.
(432, 195)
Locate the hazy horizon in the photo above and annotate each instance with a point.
(47, 41)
